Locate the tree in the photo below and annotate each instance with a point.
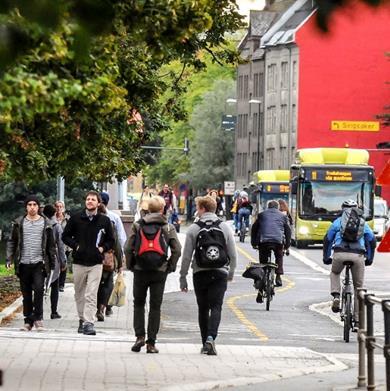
(212, 155)
(69, 99)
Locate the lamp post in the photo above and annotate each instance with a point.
(259, 102)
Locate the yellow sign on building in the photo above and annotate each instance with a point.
(356, 126)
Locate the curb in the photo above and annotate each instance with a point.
(11, 308)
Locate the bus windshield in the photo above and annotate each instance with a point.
(324, 199)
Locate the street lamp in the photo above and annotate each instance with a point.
(259, 102)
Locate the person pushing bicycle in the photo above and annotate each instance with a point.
(271, 232)
(351, 240)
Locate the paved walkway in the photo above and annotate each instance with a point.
(61, 359)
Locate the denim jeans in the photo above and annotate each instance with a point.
(210, 287)
(243, 213)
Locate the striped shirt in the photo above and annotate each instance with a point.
(32, 241)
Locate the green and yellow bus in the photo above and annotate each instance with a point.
(321, 179)
(270, 185)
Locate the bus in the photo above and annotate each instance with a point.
(270, 185)
(321, 179)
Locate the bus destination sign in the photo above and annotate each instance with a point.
(275, 188)
(337, 175)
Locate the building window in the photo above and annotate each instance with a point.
(254, 161)
(271, 120)
(244, 164)
(261, 124)
(246, 87)
(294, 74)
(245, 126)
(238, 164)
(272, 76)
(284, 158)
(255, 124)
(240, 87)
(261, 84)
(283, 118)
(284, 83)
(270, 158)
(256, 85)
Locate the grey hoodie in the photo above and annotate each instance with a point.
(189, 249)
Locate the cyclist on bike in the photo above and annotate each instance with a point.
(244, 210)
(360, 253)
(271, 232)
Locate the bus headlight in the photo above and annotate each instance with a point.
(303, 230)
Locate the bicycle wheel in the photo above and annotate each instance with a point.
(242, 233)
(269, 289)
(347, 316)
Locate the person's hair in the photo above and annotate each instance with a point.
(58, 202)
(208, 203)
(156, 204)
(283, 206)
(213, 191)
(94, 193)
(49, 211)
(102, 209)
(273, 204)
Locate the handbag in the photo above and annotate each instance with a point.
(109, 261)
(118, 295)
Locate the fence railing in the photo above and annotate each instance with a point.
(368, 340)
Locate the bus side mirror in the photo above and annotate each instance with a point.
(378, 190)
(294, 187)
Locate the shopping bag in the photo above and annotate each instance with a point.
(118, 295)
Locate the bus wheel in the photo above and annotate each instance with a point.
(301, 244)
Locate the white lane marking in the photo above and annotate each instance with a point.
(309, 262)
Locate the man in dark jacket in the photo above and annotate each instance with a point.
(89, 234)
(271, 232)
(32, 249)
(147, 277)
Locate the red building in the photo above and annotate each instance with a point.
(342, 77)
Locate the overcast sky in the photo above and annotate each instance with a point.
(246, 5)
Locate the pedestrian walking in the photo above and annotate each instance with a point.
(147, 257)
(32, 249)
(89, 234)
(170, 201)
(210, 250)
(49, 211)
(120, 240)
(142, 208)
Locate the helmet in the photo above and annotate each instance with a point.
(349, 204)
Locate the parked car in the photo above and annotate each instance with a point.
(381, 218)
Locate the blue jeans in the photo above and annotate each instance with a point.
(243, 213)
(235, 220)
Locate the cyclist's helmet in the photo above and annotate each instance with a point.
(349, 204)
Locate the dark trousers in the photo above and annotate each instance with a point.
(55, 289)
(62, 278)
(210, 287)
(265, 252)
(105, 288)
(155, 282)
(32, 280)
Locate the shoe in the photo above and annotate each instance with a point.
(81, 325)
(259, 298)
(210, 346)
(109, 311)
(61, 289)
(100, 316)
(140, 341)
(336, 304)
(26, 327)
(278, 280)
(88, 329)
(39, 325)
(55, 315)
(151, 348)
(203, 349)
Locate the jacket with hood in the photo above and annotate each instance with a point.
(169, 232)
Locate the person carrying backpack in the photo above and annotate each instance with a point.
(147, 257)
(210, 250)
(351, 239)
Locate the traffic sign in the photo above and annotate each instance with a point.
(228, 122)
(229, 187)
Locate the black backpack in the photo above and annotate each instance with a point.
(210, 248)
(352, 225)
(151, 247)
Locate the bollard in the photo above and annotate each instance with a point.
(386, 347)
(361, 338)
(370, 340)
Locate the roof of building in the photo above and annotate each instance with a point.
(283, 31)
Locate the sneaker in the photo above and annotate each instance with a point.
(26, 327)
(55, 315)
(39, 325)
(278, 280)
(151, 348)
(140, 341)
(336, 304)
(259, 298)
(80, 330)
(210, 346)
(203, 349)
(61, 288)
(88, 329)
(109, 311)
(100, 316)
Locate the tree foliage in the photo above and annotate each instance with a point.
(75, 73)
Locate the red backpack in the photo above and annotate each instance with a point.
(151, 247)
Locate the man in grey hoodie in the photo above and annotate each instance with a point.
(210, 283)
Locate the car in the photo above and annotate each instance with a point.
(381, 218)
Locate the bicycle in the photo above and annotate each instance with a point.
(346, 311)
